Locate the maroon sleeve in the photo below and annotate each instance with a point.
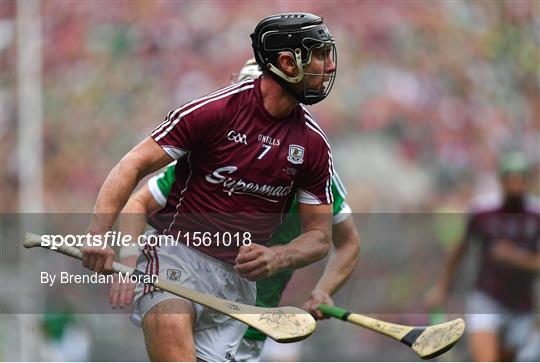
(186, 128)
(316, 185)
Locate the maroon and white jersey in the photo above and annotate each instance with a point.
(510, 286)
(238, 167)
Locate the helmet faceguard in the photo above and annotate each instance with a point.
(298, 34)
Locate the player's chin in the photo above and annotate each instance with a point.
(320, 87)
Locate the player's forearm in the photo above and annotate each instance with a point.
(535, 263)
(133, 218)
(114, 193)
(304, 250)
(340, 266)
(526, 261)
(451, 267)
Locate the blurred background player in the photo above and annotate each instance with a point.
(153, 196)
(64, 337)
(500, 311)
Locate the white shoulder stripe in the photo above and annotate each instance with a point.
(228, 88)
(173, 113)
(186, 112)
(328, 188)
(316, 125)
(320, 134)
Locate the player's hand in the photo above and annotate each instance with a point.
(122, 293)
(255, 262)
(98, 259)
(317, 297)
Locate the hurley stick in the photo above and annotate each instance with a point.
(427, 341)
(283, 324)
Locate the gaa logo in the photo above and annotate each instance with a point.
(174, 274)
(296, 154)
(237, 137)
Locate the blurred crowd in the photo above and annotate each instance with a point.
(428, 92)
(428, 96)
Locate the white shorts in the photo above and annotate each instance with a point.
(249, 350)
(483, 313)
(252, 350)
(216, 335)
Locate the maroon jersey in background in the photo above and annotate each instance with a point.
(238, 167)
(510, 286)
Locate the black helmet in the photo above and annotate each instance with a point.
(298, 33)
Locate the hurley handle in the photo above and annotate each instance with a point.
(334, 311)
(33, 240)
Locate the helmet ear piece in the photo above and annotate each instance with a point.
(291, 79)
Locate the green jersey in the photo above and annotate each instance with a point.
(269, 290)
(160, 185)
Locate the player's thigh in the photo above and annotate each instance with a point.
(168, 331)
(484, 342)
(484, 346)
(484, 319)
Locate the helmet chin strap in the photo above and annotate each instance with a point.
(279, 72)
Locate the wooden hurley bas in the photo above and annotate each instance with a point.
(428, 341)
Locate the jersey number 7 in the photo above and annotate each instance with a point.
(266, 149)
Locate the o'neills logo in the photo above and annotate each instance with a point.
(240, 186)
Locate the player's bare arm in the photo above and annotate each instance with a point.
(438, 294)
(256, 262)
(142, 160)
(507, 253)
(133, 217)
(340, 266)
(131, 221)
